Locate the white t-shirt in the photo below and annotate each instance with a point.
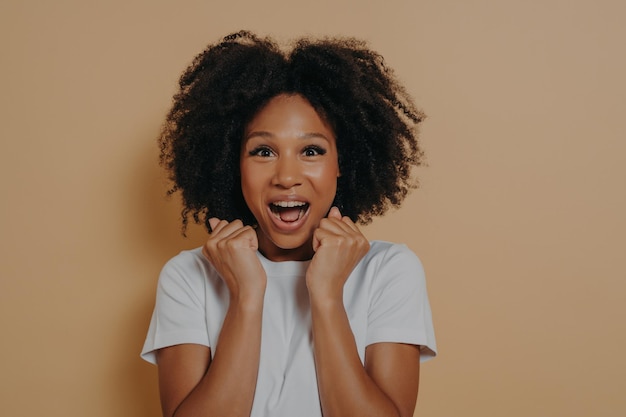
(385, 299)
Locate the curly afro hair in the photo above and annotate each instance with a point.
(374, 120)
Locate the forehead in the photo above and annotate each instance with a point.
(289, 115)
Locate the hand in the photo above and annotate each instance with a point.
(231, 249)
(339, 246)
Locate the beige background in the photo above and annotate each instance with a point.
(519, 221)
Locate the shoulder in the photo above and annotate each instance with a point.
(388, 264)
(188, 268)
(388, 255)
(187, 260)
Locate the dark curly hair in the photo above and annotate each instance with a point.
(374, 120)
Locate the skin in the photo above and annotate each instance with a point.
(288, 154)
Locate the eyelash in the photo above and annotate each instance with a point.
(256, 151)
(316, 149)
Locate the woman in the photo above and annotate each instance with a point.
(288, 310)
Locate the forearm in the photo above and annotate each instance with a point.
(227, 388)
(345, 387)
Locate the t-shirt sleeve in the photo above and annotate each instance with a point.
(179, 313)
(400, 310)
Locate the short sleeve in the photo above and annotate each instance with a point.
(179, 313)
(399, 307)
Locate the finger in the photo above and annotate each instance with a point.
(316, 245)
(226, 234)
(347, 220)
(225, 229)
(213, 222)
(245, 234)
(334, 213)
(219, 225)
(316, 242)
(318, 234)
(335, 225)
(334, 232)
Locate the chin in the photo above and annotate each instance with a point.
(290, 243)
(287, 248)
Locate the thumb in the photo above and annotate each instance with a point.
(316, 243)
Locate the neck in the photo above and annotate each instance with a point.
(277, 254)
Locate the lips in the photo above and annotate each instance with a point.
(289, 211)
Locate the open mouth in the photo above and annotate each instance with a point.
(289, 211)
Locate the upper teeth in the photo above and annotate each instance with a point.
(289, 203)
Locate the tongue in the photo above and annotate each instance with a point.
(289, 214)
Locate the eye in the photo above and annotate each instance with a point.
(314, 151)
(262, 151)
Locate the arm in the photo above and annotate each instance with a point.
(387, 384)
(191, 384)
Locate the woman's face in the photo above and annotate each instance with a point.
(289, 169)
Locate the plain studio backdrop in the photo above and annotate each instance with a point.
(519, 221)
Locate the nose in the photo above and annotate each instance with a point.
(287, 172)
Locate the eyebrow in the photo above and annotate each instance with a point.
(265, 134)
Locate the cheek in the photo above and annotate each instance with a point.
(249, 183)
(329, 168)
(325, 178)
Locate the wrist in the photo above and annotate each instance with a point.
(326, 301)
(324, 290)
(247, 301)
